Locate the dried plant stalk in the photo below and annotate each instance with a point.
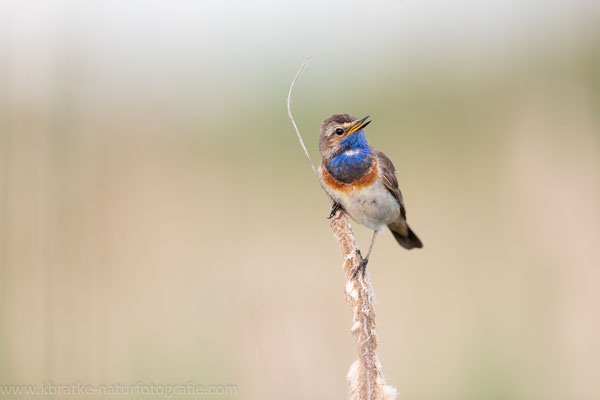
(365, 379)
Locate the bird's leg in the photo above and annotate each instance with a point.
(372, 243)
(363, 263)
(336, 206)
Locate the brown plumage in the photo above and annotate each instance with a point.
(400, 229)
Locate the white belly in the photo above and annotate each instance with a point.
(372, 206)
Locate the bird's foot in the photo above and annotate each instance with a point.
(336, 206)
(361, 266)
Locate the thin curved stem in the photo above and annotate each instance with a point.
(289, 100)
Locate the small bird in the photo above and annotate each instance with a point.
(362, 181)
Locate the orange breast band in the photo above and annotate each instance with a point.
(366, 180)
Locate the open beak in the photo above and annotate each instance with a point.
(360, 124)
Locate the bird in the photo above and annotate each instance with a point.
(361, 181)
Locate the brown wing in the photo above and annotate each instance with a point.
(389, 178)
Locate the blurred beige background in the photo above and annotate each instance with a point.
(159, 223)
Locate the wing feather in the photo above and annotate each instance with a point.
(389, 178)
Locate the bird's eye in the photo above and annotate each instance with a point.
(339, 131)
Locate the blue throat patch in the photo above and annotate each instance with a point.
(357, 147)
(353, 158)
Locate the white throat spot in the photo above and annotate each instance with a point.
(350, 153)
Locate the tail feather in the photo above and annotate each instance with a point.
(409, 240)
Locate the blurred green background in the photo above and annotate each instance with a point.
(159, 222)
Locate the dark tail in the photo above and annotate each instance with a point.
(410, 241)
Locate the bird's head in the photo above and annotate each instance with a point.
(341, 130)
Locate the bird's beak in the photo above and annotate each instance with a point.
(360, 124)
